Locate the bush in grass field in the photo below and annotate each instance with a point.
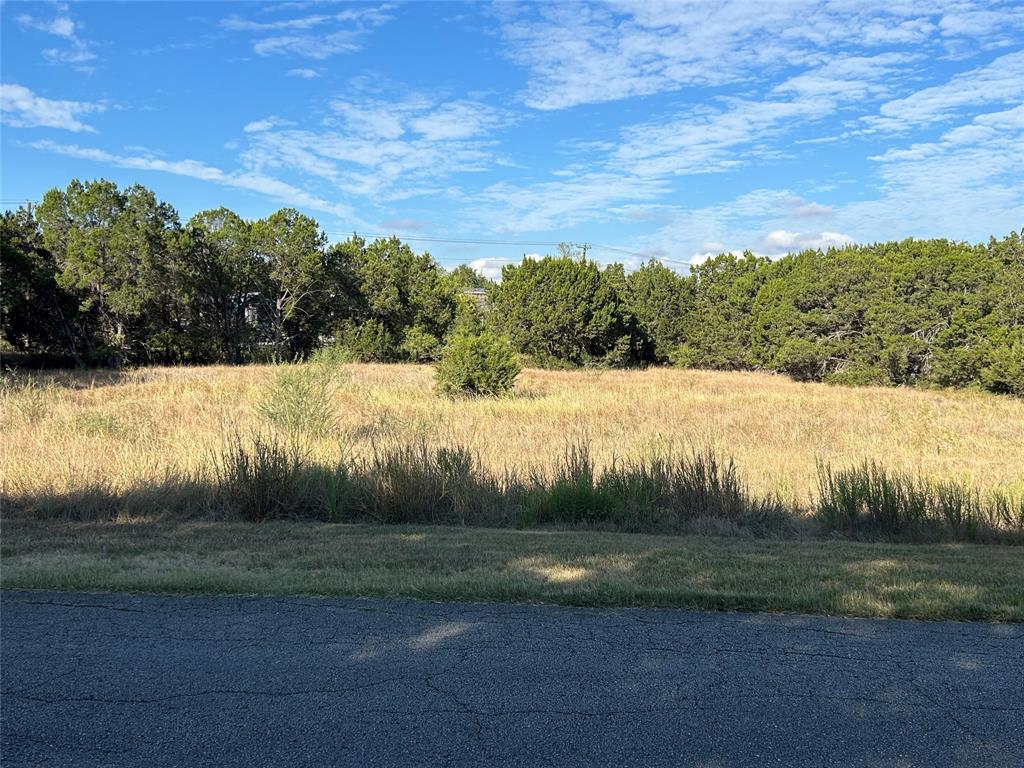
(299, 402)
(419, 346)
(481, 364)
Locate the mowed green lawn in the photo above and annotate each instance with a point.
(567, 567)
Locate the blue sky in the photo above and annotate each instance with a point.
(664, 129)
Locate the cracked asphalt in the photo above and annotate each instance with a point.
(127, 680)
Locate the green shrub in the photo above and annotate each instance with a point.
(420, 346)
(300, 401)
(332, 355)
(477, 365)
(800, 358)
(368, 342)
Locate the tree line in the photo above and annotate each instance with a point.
(99, 275)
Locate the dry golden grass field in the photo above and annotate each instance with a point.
(68, 430)
(83, 438)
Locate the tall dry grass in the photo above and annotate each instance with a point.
(79, 432)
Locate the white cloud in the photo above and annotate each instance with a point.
(76, 55)
(506, 207)
(491, 268)
(849, 78)
(247, 180)
(980, 23)
(317, 36)
(699, 258)
(707, 140)
(24, 109)
(303, 72)
(63, 26)
(780, 241)
(319, 47)
(640, 166)
(455, 120)
(579, 54)
(265, 124)
(969, 184)
(972, 176)
(386, 149)
(377, 118)
(238, 24)
(1001, 82)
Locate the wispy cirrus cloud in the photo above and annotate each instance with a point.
(972, 174)
(798, 69)
(75, 51)
(584, 54)
(388, 149)
(23, 108)
(703, 139)
(560, 203)
(999, 82)
(314, 36)
(249, 180)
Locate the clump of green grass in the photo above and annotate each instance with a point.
(300, 401)
(655, 493)
(417, 483)
(260, 479)
(267, 477)
(26, 396)
(572, 495)
(93, 424)
(869, 499)
(1005, 511)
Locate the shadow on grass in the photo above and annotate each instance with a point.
(572, 568)
(21, 376)
(265, 477)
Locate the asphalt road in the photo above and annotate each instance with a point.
(121, 680)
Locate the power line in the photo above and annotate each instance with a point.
(530, 243)
(456, 240)
(640, 255)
